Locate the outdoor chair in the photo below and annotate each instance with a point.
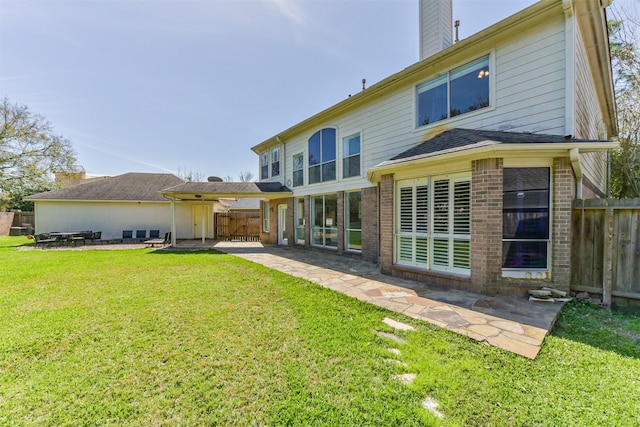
(96, 236)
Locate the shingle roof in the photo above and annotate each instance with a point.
(130, 186)
(228, 188)
(460, 139)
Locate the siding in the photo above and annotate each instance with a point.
(589, 118)
(110, 218)
(529, 96)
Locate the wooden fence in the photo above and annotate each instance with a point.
(606, 250)
(238, 226)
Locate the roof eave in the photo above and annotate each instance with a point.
(484, 150)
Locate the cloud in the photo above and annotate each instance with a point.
(290, 9)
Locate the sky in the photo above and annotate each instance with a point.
(172, 86)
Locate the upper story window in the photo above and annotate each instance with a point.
(298, 170)
(351, 156)
(457, 92)
(264, 165)
(322, 156)
(275, 161)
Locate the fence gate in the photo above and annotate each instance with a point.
(237, 226)
(606, 250)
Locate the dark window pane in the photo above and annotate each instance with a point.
(524, 255)
(328, 145)
(314, 149)
(525, 203)
(314, 174)
(275, 169)
(329, 171)
(470, 87)
(432, 101)
(351, 166)
(298, 178)
(264, 172)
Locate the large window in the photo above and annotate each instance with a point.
(298, 170)
(353, 220)
(275, 161)
(324, 211)
(457, 92)
(433, 227)
(525, 218)
(351, 156)
(322, 156)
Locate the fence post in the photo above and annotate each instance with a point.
(607, 268)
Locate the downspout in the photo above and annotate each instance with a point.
(574, 155)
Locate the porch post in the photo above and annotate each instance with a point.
(173, 221)
(202, 220)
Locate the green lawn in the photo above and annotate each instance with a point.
(143, 337)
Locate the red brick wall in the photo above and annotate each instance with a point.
(563, 193)
(386, 223)
(370, 215)
(486, 226)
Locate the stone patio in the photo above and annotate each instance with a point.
(512, 323)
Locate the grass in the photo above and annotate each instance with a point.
(143, 337)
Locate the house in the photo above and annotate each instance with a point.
(129, 202)
(460, 169)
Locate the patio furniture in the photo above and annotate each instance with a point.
(154, 242)
(96, 235)
(45, 239)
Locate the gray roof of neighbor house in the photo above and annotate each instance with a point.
(215, 190)
(459, 139)
(128, 187)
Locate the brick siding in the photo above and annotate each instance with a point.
(370, 234)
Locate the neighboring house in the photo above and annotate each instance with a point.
(111, 205)
(460, 169)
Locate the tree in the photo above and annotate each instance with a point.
(246, 176)
(625, 161)
(190, 176)
(30, 153)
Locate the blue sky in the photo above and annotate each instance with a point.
(158, 86)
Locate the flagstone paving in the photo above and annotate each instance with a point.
(511, 323)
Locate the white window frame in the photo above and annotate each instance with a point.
(275, 159)
(294, 170)
(346, 140)
(264, 162)
(418, 243)
(347, 230)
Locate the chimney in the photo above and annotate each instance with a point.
(436, 23)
